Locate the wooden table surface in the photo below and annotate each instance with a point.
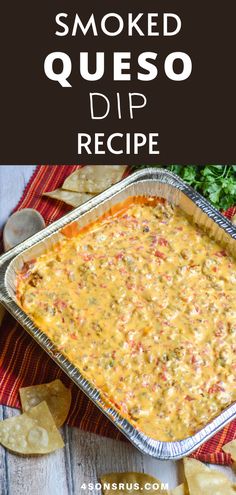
(85, 456)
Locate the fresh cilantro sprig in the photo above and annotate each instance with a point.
(216, 182)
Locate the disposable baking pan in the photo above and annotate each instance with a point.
(154, 182)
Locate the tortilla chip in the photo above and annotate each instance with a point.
(124, 481)
(94, 178)
(69, 197)
(33, 432)
(230, 448)
(203, 480)
(212, 483)
(56, 395)
(192, 466)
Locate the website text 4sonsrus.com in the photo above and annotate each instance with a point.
(126, 487)
(147, 68)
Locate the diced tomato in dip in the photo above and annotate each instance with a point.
(143, 303)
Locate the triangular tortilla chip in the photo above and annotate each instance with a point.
(69, 197)
(203, 480)
(57, 396)
(230, 448)
(94, 178)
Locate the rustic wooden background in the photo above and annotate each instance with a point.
(85, 456)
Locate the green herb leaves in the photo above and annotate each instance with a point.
(216, 182)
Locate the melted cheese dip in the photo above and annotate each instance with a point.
(143, 303)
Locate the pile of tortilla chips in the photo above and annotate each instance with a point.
(199, 480)
(45, 408)
(87, 182)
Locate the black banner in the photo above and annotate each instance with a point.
(163, 88)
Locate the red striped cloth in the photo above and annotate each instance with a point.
(23, 362)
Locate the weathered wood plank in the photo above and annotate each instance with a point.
(3, 465)
(92, 456)
(166, 471)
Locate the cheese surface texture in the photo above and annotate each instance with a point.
(143, 303)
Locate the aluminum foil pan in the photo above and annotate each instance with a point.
(156, 182)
